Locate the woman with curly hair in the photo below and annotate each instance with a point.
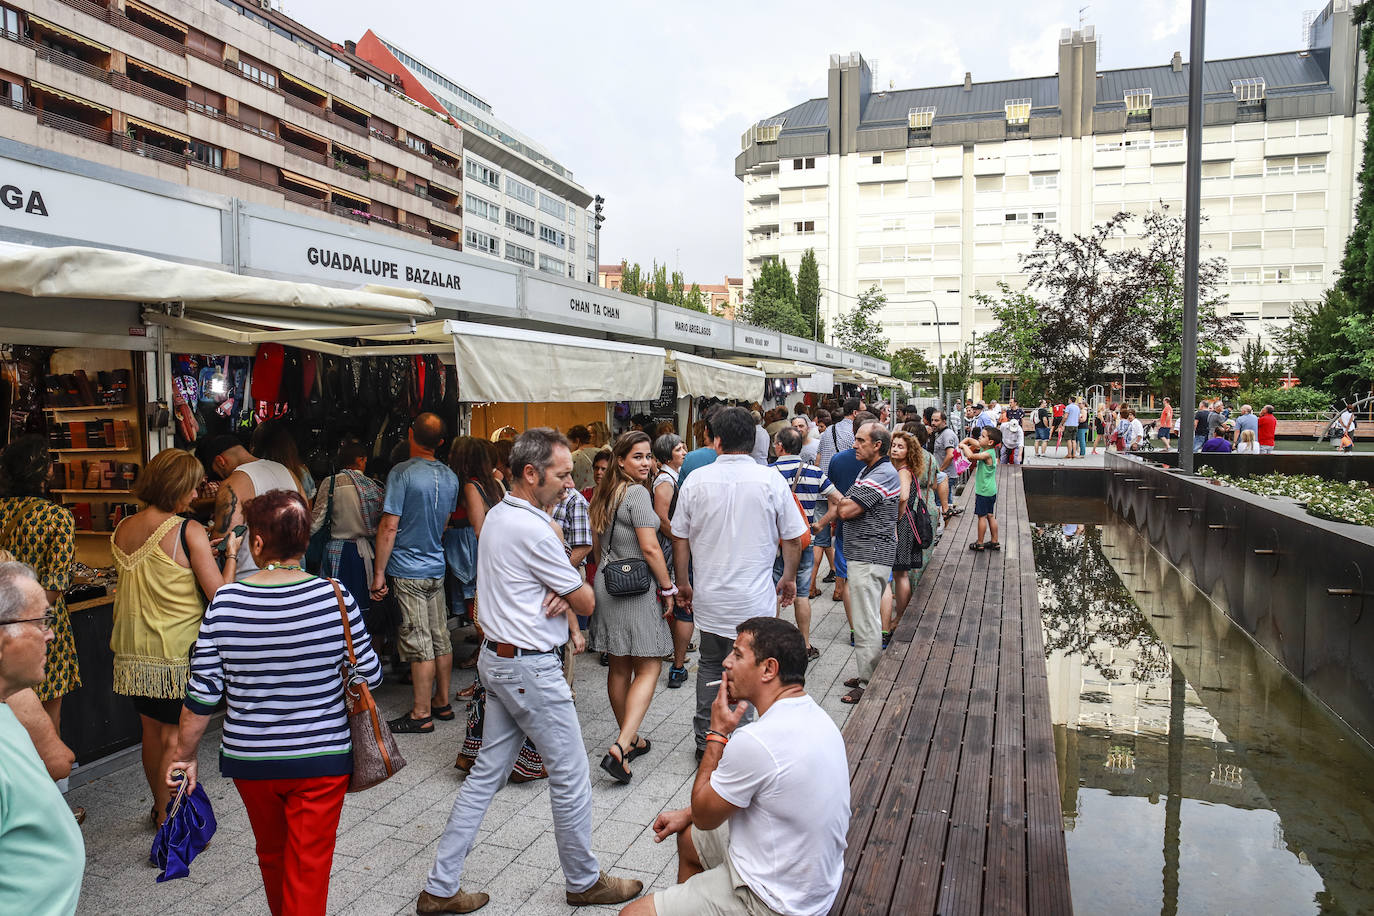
(42, 534)
(916, 469)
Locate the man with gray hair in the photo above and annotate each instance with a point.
(761, 440)
(40, 844)
(530, 593)
(869, 511)
(1246, 419)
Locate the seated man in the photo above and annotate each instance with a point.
(783, 787)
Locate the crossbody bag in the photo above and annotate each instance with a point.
(626, 577)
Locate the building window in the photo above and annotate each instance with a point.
(807, 163)
(480, 241)
(1018, 112)
(920, 118)
(1138, 103)
(553, 206)
(476, 206)
(551, 265)
(417, 144)
(1044, 181)
(479, 172)
(553, 236)
(12, 93)
(521, 224)
(804, 227)
(522, 192)
(206, 154)
(9, 23)
(877, 160)
(258, 74)
(519, 255)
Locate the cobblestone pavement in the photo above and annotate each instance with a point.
(388, 834)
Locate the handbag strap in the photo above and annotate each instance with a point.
(348, 630)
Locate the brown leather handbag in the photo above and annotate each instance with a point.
(375, 755)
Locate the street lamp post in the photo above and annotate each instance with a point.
(1192, 223)
(939, 347)
(598, 220)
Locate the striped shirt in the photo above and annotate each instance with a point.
(813, 484)
(273, 653)
(872, 537)
(835, 439)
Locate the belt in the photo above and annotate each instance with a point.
(506, 650)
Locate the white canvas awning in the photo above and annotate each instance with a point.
(778, 368)
(97, 273)
(700, 377)
(888, 381)
(519, 366)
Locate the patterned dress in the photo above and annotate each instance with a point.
(41, 534)
(632, 626)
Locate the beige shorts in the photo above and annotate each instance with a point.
(423, 632)
(718, 891)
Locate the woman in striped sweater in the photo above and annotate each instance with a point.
(271, 646)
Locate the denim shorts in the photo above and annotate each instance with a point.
(983, 505)
(822, 538)
(1042, 433)
(841, 566)
(808, 559)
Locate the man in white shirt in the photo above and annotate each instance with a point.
(529, 594)
(731, 515)
(766, 828)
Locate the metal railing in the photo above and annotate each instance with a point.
(305, 152)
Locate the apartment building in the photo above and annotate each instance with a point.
(521, 204)
(235, 99)
(931, 194)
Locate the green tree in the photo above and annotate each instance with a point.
(631, 279)
(913, 365)
(809, 294)
(860, 329)
(658, 284)
(1015, 343)
(958, 372)
(1257, 370)
(1316, 347)
(695, 300)
(1357, 265)
(772, 302)
(677, 289)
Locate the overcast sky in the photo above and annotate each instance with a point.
(645, 102)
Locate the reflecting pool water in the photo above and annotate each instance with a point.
(1196, 776)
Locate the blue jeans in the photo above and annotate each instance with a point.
(808, 560)
(1198, 442)
(526, 695)
(841, 567)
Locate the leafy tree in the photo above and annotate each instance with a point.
(959, 372)
(772, 302)
(1357, 265)
(695, 300)
(631, 279)
(1358, 333)
(658, 284)
(860, 329)
(1283, 399)
(913, 365)
(1256, 368)
(809, 294)
(1015, 343)
(677, 289)
(1316, 347)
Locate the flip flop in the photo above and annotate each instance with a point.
(976, 546)
(443, 713)
(994, 545)
(853, 696)
(852, 682)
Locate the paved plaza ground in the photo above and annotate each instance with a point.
(388, 835)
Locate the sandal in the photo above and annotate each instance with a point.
(405, 725)
(638, 750)
(815, 593)
(852, 682)
(853, 696)
(994, 545)
(466, 692)
(976, 546)
(464, 763)
(470, 661)
(616, 765)
(443, 713)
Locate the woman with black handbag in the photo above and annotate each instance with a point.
(914, 528)
(632, 580)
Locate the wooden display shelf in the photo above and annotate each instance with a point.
(97, 492)
(97, 407)
(111, 449)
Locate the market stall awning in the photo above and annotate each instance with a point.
(96, 273)
(888, 381)
(778, 368)
(514, 365)
(700, 377)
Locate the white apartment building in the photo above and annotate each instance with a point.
(931, 194)
(519, 203)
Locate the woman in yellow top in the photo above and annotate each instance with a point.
(162, 558)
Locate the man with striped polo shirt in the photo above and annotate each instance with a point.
(869, 511)
(807, 482)
(838, 437)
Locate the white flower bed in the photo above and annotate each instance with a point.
(1333, 500)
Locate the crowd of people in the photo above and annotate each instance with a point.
(243, 581)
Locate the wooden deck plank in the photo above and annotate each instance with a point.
(954, 784)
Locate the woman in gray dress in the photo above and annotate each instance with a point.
(632, 630)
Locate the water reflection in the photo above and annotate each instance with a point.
(1196, 776)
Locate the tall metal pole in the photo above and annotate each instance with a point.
(1192, 212)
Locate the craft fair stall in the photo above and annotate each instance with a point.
(700, 380)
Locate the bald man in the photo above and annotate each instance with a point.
(421, 493)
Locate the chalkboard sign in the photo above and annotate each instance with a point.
(666, 402)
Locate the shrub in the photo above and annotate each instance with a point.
(1284, 399)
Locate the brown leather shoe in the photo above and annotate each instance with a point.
(607, 889)
(461, 902)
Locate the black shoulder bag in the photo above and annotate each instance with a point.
(628, 577)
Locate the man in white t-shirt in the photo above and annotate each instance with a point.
(730, 517)
(766, 829)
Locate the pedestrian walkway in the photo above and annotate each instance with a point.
(387, 835)
(954, 784)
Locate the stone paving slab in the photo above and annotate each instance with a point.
(388, 834)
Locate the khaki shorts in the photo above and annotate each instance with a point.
(423, 633)
(718, 891)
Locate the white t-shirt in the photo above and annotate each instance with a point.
(788, 774)
(733, 512)
(520, 560)
(1012, 433)
(1135, 433)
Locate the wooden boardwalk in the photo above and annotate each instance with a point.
(953, 780)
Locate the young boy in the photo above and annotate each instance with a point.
(983, 452)
(1012, 435)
